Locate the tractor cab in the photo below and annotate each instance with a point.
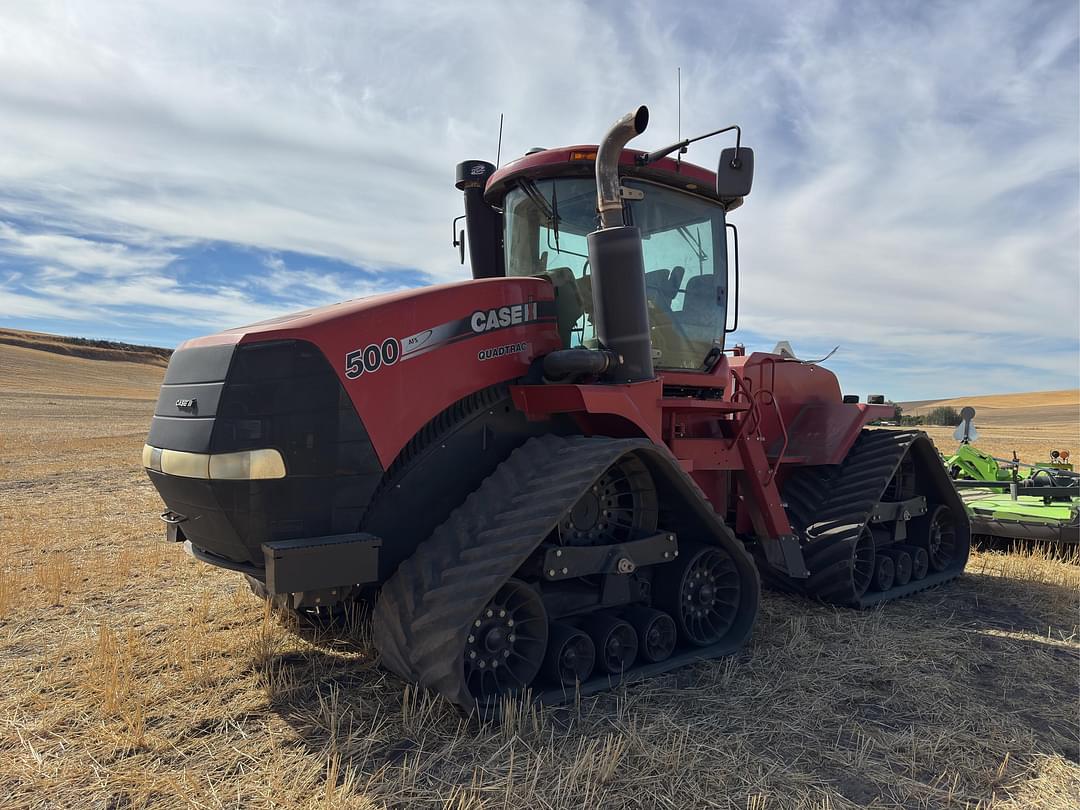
(684, 247)
(543, 206)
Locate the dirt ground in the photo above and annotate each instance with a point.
(135, 677)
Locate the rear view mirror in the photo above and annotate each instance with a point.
(735, 174)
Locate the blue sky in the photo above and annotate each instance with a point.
(168, 170)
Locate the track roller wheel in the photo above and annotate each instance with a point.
(901, 566)
(570, 657)
(656, 633)
(506, 643)
(616, 642)
(618, 507)
(884, 573)
(936, 532)
(842, 570)
(701, 590)
(920, 562)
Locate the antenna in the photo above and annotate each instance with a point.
(498, 152)
(678, 101)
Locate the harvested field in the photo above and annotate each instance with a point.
(1007, 404)
(48, 374)
(135, 677)
(1031, 424)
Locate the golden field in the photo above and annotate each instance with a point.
(135, 677)
(1032, 424)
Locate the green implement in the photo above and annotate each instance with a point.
(1010, 500)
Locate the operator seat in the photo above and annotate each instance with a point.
(569, 305)
(699, 313)
(675, 281)
(657, 287)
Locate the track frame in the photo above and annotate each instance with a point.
(424, 612)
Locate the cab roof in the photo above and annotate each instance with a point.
(580, 161)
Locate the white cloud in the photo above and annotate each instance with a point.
(917, 168)
(320, 287)
(109, 258)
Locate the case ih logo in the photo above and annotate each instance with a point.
(484, 320)
(187, 404)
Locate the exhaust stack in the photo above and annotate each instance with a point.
(620, 310)
(482, 222)
(608, 201)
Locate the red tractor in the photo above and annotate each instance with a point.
(553, 476)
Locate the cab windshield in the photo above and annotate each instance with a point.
(685, 253)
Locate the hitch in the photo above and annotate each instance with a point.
(172, 521)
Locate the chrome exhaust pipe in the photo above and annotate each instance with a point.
(608, 202)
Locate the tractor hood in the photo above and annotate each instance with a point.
(388, 350)
(285, 428)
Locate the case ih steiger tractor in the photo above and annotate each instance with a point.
(552, 477)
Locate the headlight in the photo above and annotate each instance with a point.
(247, 465)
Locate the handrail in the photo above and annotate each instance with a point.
(753, 416)
(764, 395)
(783, 431)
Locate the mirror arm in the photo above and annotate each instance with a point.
(645, 159)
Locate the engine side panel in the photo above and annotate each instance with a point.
(820, 427)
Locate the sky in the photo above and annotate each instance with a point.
(171, 169)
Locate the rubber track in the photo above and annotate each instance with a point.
(424, 612)
(829, 507)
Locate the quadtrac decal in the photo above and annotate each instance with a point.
(387, 352)
(501, 351)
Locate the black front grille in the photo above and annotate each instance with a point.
(282, 395)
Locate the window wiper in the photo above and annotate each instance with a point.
(550, 212)
(534, 194)
(694, 244)
(555, 214)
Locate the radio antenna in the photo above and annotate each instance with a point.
(498, 151)
(678, 107)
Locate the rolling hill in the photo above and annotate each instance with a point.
(1036, 408)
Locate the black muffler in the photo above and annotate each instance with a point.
(620, 308)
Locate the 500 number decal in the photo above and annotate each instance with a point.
(372, 357)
